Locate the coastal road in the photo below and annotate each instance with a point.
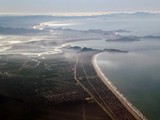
(103, 92)
(98, 101)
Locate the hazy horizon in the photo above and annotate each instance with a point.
(72, 6)
(76, 13)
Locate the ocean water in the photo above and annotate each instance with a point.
(137, 25)
(136, 74)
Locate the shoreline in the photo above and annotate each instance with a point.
(134, 111)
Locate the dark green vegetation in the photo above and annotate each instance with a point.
(38, 79)
(12, 109)
(43, 87)
(43, 79)
(31, 73)
(115, 50)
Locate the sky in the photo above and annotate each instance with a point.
(69, 6)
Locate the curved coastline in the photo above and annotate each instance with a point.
(135, 112)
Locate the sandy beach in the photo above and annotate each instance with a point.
(135, 112)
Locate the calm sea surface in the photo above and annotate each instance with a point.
(136, 74)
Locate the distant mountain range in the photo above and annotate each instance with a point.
(136, 14)
(78, 16)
